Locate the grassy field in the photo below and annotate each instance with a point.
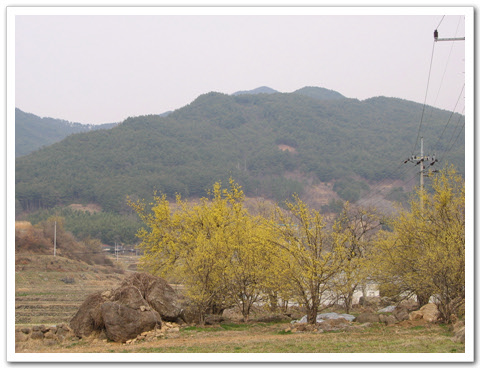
(49, 290)
(272, 338)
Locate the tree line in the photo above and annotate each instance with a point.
(226, 256)
(106, 227)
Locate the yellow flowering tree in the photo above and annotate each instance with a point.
(308, 256)
(215, 248)
(353, 233)
(425, 253)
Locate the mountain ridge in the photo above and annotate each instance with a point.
(33, 132)
(342, 141)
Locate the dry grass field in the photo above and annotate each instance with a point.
(270, 338)
(49, 290)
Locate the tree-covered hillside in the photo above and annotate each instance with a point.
(33, 132)
(257, 139)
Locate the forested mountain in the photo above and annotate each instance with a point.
(33, 132)
(270, 143)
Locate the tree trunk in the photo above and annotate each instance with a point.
(348, 302)
(312, 314)
(273, 301)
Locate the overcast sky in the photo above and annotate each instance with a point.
(97, 69)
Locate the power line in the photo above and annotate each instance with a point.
(441, 20)
(424, 100)
(450, 117)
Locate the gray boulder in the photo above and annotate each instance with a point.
(401, 313)
(327, 316)
(334, 315)
(367, 317)
(138, 305)
(388, 309)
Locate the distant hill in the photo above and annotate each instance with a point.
(256, 91)
(273, 145)
(33, 132)
(319, 93)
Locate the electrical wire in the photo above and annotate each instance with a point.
(441, 20)
(449, 119)
(425, 99)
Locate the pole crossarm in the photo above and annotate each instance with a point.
(435, 37)
(422, 160)
(451, 39)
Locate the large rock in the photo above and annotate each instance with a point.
(140, 304)
(123, 323)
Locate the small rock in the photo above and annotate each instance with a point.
(107, 294)
(37, 335)
(387, 319)
(430, 312)
(388, 309)
(26, 330)
(367, 317)
(401, 314)
(415, 315)
(49, 335)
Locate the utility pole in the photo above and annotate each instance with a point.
(55, 240)
(420, 160)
